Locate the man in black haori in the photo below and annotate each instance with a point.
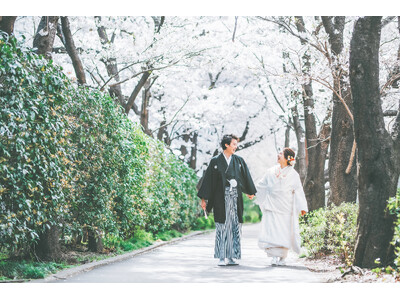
(226, 178)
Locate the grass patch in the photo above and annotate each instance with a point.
(168, 235)
(203, 224)
(140, 240)
(12, 270)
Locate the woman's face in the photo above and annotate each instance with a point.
(282, 159)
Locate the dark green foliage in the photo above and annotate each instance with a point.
(394, 208)
(34, 176)
(252, 212)
(202, 223)
(171, 199)
(330, 230)
(70, 157)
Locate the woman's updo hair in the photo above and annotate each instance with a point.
(289, 155)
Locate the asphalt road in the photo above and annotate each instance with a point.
(191, 261)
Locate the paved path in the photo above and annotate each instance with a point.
(191, 260)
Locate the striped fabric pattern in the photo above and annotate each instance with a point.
(227, 235)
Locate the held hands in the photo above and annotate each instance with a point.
(250, 196)
(303, 212)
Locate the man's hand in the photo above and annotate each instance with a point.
(250, 196)
(203, 204)
(303, 212)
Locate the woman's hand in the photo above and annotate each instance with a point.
(303, 212)
(250, 196)
(203, 204)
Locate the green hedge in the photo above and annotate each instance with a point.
(71, 158)
(330, 230)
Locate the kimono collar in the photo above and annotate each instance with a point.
(228, 160)
(282, 173)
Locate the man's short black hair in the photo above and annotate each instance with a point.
(227, 139)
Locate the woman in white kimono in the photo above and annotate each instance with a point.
(281, 199)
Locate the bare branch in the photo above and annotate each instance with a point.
(390, 113)
(390, 82)
(249, 144)
(234, 29)
(176, 113)
(326, 84)
(352, 156)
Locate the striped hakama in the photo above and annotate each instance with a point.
(227, 235)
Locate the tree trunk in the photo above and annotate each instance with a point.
(144, 114)
(192, 159)
(136, 90)
(193, 155)
(110, 62)
(48, 247)
(44, 37)
(317, 145)
(394, 75)
(7, 24)
(95, 243)
(314, 183)
(72, 52)
(343, 186)
(287, 135)
(162, 134)
(378, 153)
(300, 165)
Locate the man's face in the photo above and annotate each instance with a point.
(232, 147)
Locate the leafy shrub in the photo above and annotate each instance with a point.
(252, 212)
(394, 208)
(202, 223)
(170, 191)
(35, 175)
(107, 168)
(313, 229)
(70, 158)
(331, 230)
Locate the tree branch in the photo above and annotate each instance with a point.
(249, 144)
(234, 29)
(72, 52)
(174, 116)
(144, 71)
(136, 91)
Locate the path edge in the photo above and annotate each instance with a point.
(66, 273)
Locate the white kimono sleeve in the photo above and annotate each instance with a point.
(299, 196)
(262, 191)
